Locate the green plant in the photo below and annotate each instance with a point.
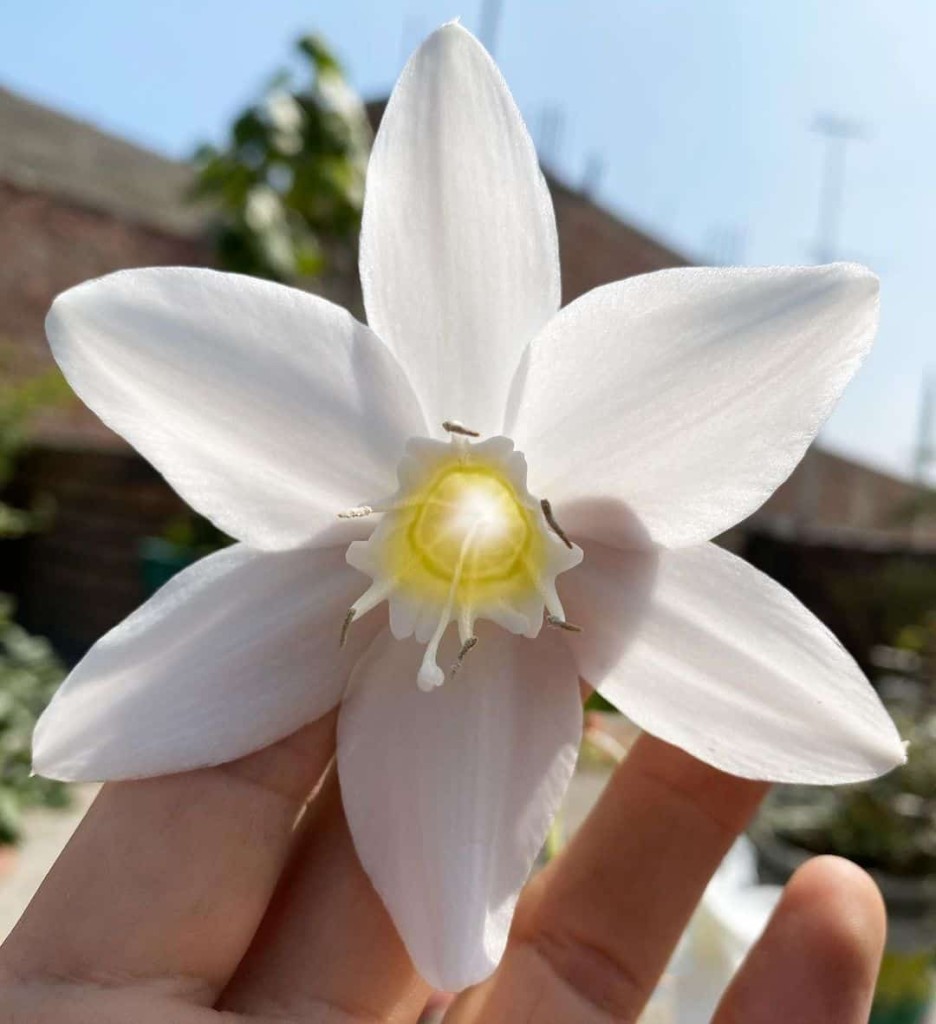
(887, 824)
(290, 180)
(29, 669)
(21, 398)
(29, 675)
(195, 534)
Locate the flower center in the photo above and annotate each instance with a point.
(470, 523)
(461, 539)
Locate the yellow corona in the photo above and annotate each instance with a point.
(462, 539)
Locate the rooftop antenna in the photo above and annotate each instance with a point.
(836, 133)
(549, 134)
(489, 27)
(594, 173)
(411, 34)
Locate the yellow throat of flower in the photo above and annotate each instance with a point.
(467, 529)
(461, 539)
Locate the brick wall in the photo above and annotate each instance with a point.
(51, 244)
(864, 592)
(82, 575)
(829, 492)
(596, 248)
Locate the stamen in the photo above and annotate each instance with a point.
(454, 427)
(555, 613)
(346, 625)
(558, 623)
(358, 512)
(463, 653)
(553, 525)
(378, 591)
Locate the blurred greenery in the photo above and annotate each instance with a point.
(195, 534)
(887, 824)
(29, 669)
(185, 539)
(20, 400)
(289, 182)
(919, 638)
(29, 675)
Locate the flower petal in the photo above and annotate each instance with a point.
(459, 258)
(720, 660)
(234, 653)
(449, 794)
(267, 409)
(689, 395)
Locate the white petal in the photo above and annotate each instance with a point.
(449, 794)
(267, 409)
(459, 259)
(234, 653)
(706, 652)
(688, 395)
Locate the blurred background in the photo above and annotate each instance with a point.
(671, 132)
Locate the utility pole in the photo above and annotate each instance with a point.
(491, 11)
(925, 454)
(594, 173)
(410, 35)
(836, 132)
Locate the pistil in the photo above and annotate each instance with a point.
(430, 675)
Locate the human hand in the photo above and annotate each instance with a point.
(193, 899)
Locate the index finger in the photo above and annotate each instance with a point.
(596, 927)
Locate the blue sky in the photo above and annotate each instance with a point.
(700, 111)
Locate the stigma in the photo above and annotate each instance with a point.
(461, 540)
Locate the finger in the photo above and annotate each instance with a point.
(817, 962)
(167, 879)
(326, 914)
(595, 929)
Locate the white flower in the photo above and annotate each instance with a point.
(653, 414)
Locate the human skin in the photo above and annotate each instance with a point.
(198, 898)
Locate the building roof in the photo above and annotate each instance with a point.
(44, 151)
(597, 247)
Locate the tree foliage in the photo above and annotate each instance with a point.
(289, 182)
(21, 399)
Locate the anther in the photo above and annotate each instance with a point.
(553, 525)
(569, 627)
(454, 427)
(463, 653)
(346, 625)
(359, 512)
